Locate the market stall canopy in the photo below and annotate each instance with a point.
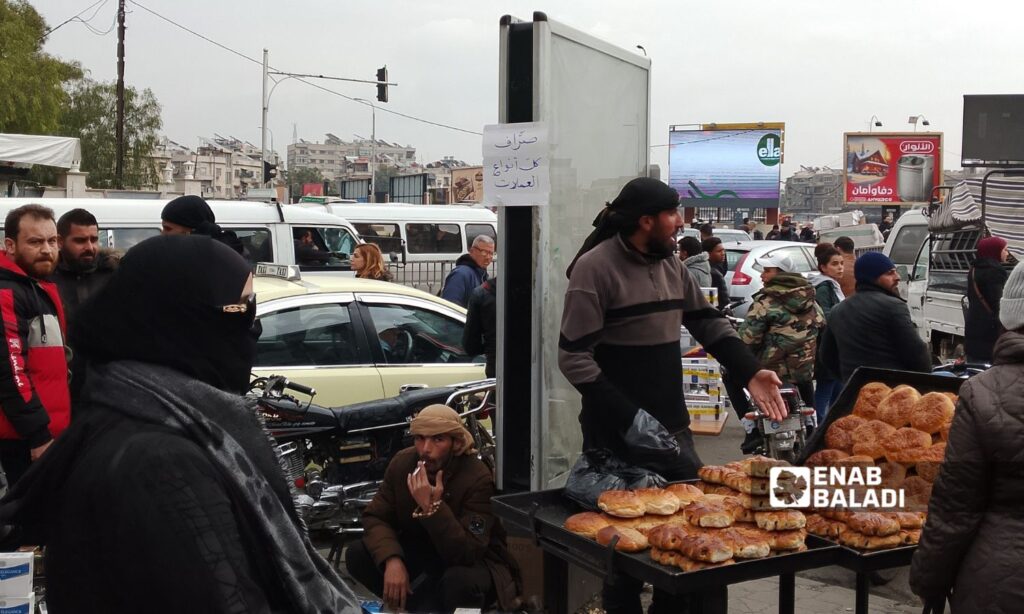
(21, 149)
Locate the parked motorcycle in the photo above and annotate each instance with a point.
(336, 457)
(961, 368)
(783, 439)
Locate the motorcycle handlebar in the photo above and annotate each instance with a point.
(307, 390)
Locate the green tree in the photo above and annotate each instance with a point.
(32, 93)
(302, 175)
(91, 115)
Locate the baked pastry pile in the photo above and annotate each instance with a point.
(696, 527)
(902, 432)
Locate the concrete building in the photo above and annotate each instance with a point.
(813, 191)
(338, 159)
(223, 167)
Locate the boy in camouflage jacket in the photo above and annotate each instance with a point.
(783, 323)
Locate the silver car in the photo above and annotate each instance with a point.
(725, 234)
(744, 280)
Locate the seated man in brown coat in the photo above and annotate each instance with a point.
(431, 542)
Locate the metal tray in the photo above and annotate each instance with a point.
(871, 560)
(543, 513)
(861, 561)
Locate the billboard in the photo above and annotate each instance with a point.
(726, 168)
(468, 184)
(891, 168)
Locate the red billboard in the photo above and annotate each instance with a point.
(312, 189)
(891, 168)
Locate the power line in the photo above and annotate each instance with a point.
(299, 79)
(76, 17)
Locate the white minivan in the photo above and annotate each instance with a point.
(266, 230)
(422, 242)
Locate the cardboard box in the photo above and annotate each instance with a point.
(16, 569)
(18, 605)
(531, 563)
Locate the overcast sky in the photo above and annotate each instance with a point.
(821, 66)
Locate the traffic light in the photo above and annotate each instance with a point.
(269, 171)
(382, 84)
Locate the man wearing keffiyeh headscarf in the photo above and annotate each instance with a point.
(432, 543)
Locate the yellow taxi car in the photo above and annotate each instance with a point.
(356, 340)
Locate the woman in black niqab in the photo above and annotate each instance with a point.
(166, 306)
(165, 494)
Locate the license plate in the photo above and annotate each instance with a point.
(789, 423)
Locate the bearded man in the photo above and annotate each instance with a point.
(83, 268)
(431, 542)
(35, 405)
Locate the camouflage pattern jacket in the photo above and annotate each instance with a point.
(782, 327)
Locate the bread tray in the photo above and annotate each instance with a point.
(871, 560)
(542, 513)
(924, 382)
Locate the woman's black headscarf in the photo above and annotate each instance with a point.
(165, 305)
(193, 212)
(641, 196)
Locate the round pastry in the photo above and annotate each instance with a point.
(586, 524)
(853, 539)
(931, 412)
(857, 460)
(871, 523)
(780, 520)
(658, 501)
(867, 439)
(823, 527)
(840, 433)
(686, 493)
(916, 491)
(930, 462)
(897, 407)
(825, 458)
(893, 474)
(621, 503)
(944, 431)
(952, 397)
(630, 540)
(870, 395)
(905, 439)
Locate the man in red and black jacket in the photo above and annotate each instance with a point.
(35, 405)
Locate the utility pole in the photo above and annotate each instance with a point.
(263, 123)
(119, 164)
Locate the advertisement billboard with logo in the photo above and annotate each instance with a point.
(467, 184)
(891, 168)
(726, 168)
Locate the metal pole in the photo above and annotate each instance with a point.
(263, 124)
(373, 154)
(119, 163)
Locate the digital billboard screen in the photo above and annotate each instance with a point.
(725, 168)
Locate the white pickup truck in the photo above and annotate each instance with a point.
(933, 268)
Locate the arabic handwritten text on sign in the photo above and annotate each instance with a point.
(516, 159)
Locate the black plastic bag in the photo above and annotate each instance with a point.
(651, 446)
(599, 470)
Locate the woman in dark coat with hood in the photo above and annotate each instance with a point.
(165, 494)
(973, 542)
(985, 283)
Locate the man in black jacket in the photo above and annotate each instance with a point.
(481, 333)
(82, 268)
(873, 327)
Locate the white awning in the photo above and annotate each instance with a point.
(62, 151)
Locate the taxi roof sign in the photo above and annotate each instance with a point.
(289, 272)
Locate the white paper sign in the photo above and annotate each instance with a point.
(516, 164)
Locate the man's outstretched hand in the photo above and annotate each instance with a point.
(764, 389)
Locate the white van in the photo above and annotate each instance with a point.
(266, 230)
(421, 241)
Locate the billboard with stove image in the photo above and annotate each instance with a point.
(892, 168)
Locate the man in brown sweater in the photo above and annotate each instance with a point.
(619, 346)
(431, 542)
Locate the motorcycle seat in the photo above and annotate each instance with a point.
(392, 410)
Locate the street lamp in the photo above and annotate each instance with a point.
(373, 148)
(913, 119)
(874, 122)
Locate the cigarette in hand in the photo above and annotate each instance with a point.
(418, 467)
